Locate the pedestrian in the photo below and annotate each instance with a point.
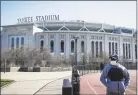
(115, 77)
(101, 66)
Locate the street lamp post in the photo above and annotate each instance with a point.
(75, 37)
(75, 73)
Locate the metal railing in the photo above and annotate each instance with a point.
(87, 69)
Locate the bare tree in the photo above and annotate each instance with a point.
(25, 57)
(84, 59)
(72, 60)
(105, 58)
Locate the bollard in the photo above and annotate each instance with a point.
(66, 88)
(76, 83)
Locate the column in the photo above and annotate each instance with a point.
(88, 44)
(133, 49)
(106, 44)
(57, 44)
(67, 44)
(78, 49)
(120, 47)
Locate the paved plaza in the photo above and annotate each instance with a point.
(32, 82)
(50, 83)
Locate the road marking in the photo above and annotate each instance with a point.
(132, 85)
(131, 91)
(91, 87)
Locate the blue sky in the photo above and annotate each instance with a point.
(118, 13)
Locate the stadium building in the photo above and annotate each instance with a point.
(58, 37)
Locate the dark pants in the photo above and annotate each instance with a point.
(111, 93)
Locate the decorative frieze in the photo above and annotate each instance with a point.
(113, 38)
(97, 37)
(52, 36)
(126, 40)
(62, 36)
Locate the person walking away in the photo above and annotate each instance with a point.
(115, 77)
(101, 66)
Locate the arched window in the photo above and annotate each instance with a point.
(116, 50)
(123, 50)
(82, 46)
(109, 48)
(12, 43)
(100, 48)
(41, 44)
(52, 46)
(92, 48)
(17, 42)
(126, 51)
(135, 51)
(72, 46)
(22, 41)
(113, 48)
(62, 46)
(96, 48)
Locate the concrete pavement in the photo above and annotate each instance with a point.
(31, 82)
(53, 88)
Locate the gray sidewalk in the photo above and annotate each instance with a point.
(31, 83)
(54, 88)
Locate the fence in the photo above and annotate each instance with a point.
(87, 69)
(95, 67)
(130, 65)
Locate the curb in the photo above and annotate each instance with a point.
(7, 85)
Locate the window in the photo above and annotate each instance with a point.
(123, 50)
(116, 50)
(22, 41)
(129, 51)
(126, 31)
(17, 42)
(82, 37)
(100, 37)
(62, 46)
(72, 46)
(126, 51)
(72, 36)
(109, 48)
(113, 39)
(82, 46)
(135, 51)
(101, 49)
(96, 48)
(42, 36)
(52, 46)
(113, 48)
(92, 37)
(92, 48)
(12, 43)
(41, 44)
(62, 36)
(52, 36)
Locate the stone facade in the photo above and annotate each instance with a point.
(95, 38)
